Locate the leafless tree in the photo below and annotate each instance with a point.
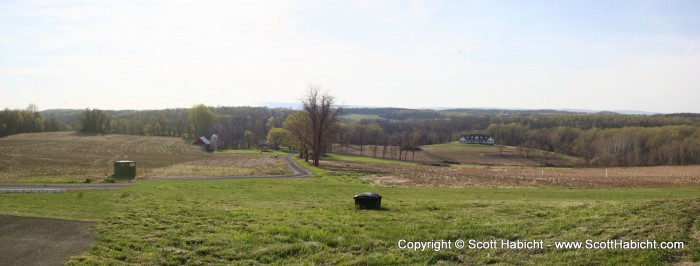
(323, 116)
(500, 149)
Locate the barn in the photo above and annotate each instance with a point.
(202, 141)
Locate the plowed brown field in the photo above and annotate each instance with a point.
(511, 176)
(70, 156)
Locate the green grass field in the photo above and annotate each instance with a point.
(313, 221)
(491, 155)
(363, 159)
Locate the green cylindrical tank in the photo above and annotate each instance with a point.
(125, 169)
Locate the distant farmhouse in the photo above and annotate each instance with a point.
(477, 139)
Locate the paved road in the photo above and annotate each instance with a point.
(41, 241)
(79, 186)
(297, 171)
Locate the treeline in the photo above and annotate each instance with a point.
(95, 121)
(604, 139)
(237, 127)
(601, 120)
(246, 127)
(627, 146)
(26, 121)
(400, 114)
(496, 112)
(230, 123)
(600, 139)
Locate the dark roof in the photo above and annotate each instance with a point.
(476, 136)
(201, 141)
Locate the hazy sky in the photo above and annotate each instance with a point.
(148, 54)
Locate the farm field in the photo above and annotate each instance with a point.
(514, 176)
(491, 155)
(74, 157)
(313, 221)
(469, 154)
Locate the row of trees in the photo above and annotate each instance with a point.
(95, 121)
(628, 146)
(28, 120)
(600, 139)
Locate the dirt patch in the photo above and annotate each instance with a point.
(41, 241)
(385, 180)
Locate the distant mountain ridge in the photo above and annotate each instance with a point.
(490, 110)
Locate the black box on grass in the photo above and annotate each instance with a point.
(125, 169)
(368, 200)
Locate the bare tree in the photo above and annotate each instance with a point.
(500, 149)
(359, 135)
(323, 116)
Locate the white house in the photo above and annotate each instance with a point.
(477, 139)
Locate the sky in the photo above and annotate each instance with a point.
(151, 54)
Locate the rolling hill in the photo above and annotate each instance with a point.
(495, 155)
(472, 154)
(75, 156)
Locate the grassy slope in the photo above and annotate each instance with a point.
(364, 159)
(312, 220)
(489, 155)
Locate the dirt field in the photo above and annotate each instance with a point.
(73, 157)
(41, 241)
(510, 176)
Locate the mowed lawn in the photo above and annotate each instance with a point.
(313, 221)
